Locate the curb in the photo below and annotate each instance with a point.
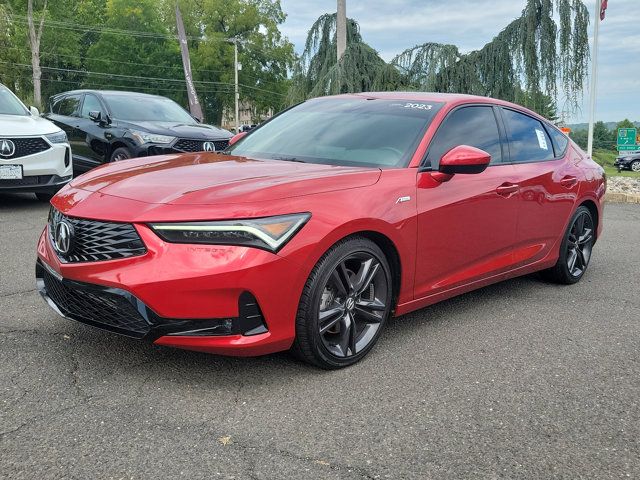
(615, 197)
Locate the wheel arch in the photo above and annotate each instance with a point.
(593, 209)
(393, 257)
(115, 145)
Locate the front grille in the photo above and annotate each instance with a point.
(94, 306)
(187, 145)
(26, 181)
(27, 146)
(95, 240)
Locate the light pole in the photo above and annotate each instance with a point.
(594, 77)
(236, 94)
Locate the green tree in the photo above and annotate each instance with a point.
(602, 137)
(532, 54)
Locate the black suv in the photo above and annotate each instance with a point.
(105, 126)
(628, 161)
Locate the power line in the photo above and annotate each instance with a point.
(140, 78)
(175, 67)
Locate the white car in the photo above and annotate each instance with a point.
(35, 155)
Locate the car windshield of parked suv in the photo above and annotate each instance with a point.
(147, 109)
(9, 104)
(357, 131)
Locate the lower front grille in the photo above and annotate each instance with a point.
(26, 181)
(93, 306)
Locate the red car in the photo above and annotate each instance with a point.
(309, 232)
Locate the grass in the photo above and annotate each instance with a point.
(606, 159)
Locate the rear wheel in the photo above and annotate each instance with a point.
(121, 153)
(344, 305)
(575, 249)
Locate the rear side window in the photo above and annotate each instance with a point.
(68, 106)
(560, 140)
(528, 139)
(475, 126)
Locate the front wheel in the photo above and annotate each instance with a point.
(575, 249)
(344, 305)
(121, 153)
(635, 166)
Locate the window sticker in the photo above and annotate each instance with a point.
(542, 140)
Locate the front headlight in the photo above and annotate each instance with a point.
(144, 137)
(269, 233)
(58, 137)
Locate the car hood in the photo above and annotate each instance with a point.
(210, 178)
(22, 125)
(181, 130)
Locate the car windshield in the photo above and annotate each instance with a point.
(356, 131)
(147, 109)
(9, 104)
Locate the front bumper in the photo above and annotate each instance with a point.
(44, 172)
(216, 299)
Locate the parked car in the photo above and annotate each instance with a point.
(309, 237)
(628, 161)
(105, 126)
(34, 153)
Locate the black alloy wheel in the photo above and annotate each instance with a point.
(575, 249)
(344, 306)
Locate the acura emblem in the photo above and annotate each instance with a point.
(63, 237)
(209, 147)
(7, 148)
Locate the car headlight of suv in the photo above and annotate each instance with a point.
(268, 233)
(58, 137)
(145, 137)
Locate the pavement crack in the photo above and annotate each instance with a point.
(19, 292)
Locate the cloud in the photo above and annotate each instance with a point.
(390, 26)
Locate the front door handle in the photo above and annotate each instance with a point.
(507, 189)
(568, 181)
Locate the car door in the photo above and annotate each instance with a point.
(65, 113)
(548, 181)
(92, 150)
(466, 225)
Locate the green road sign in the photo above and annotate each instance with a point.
(628, 148)
(627, 138)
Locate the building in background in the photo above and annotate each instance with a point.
(247, 115)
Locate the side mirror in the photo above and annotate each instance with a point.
(34, 111)
(95, 115)
(237, 137)
(464, 159)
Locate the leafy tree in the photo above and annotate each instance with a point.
(602, 137)
(532, 54)
(539, 102)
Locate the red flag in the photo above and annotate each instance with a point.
(603, 8)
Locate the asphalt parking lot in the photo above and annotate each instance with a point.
(518, 380)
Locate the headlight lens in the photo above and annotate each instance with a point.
(58, 137)
(144, 137)
(269, 233)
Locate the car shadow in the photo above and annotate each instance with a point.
(142, 361)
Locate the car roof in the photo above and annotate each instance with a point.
(447, 98)
(109, 92)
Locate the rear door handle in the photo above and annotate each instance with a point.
(507, 189)
(568, 181)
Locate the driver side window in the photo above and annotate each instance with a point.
(475, 126)
(90, 104)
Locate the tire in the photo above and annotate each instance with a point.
(575, 249)
(635, 166)
(44, 197)
(351, 287)
(121, 153)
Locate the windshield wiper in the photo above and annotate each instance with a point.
(289, 159)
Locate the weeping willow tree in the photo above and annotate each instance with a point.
(318, 72)
(527, 61)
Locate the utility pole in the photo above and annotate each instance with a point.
(594, 77)
(341, 28)
(237, 92)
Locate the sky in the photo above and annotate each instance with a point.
(391, 26)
